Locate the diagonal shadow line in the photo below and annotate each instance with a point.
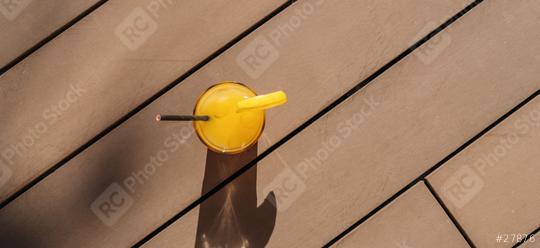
(311, 120)
(50, 37)
(532, 234)
(449, 214)
(433, 168)
(141, 106)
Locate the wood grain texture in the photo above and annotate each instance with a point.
(415, 219)
(169, 239)
(25, 23)
(400, 125)
(531, 244)
(312, 68)
(501, 171)
(87, 78)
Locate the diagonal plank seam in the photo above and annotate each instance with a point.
(533, 233)
(449, 214)
(144, 104)
(435, 167)
(50, 37)
(307, 123)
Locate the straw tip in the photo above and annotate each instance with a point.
(158, 117)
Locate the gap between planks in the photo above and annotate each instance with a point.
(311, 120)
(50, 37)
(533, 233)
(449, 214)
(145, 103)
(435, 167)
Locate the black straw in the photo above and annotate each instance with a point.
(182, 118)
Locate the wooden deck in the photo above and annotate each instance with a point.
(409, 123)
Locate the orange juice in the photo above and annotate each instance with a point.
(236, 116)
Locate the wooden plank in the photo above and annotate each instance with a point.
(531, 243)
(168, 238)
(499, 170)
(399, 126)
(27, 22)
(311, 68)
(95, 72)
(415, 219)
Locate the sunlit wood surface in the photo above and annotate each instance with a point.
(77, 124)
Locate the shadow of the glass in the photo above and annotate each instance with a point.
(231, 217)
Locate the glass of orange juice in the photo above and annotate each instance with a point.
(229, 117)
